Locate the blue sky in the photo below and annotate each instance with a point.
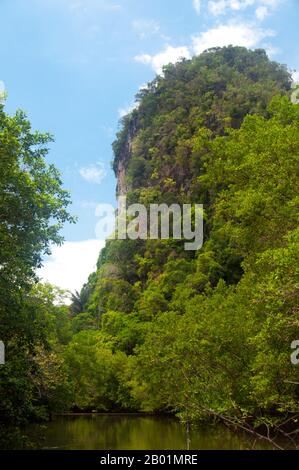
(75, 65)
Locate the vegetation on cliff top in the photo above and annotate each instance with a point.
(201, 334)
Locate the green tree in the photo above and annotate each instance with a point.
(33, 208)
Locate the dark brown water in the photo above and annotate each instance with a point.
(125, 432)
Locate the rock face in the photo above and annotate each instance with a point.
(121, 188)
(121, 164)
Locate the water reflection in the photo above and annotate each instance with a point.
(126, 432)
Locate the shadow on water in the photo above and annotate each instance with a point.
(127, 432)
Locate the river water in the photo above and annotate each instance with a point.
(129, 431)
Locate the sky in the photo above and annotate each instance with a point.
(75, 66)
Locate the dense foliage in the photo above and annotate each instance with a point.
(32, 210)
(202, 334)
(208, 334)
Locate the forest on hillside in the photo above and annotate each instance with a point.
(205, 335)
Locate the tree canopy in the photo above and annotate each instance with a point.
(205, 334)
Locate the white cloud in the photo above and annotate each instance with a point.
(146, 28)
(261, 12)
(271, 3)
(94, 173)
(70, 264)
(235, 34)
(220, 7)
(217, 7)
(197, 5)
(82, 6)
(240, 4)
(170, 55)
